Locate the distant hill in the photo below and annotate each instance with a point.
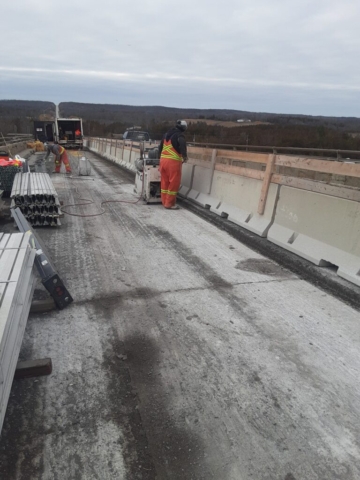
(145, 115)
(206, 125)
(16, 116)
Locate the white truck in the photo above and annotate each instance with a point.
(69, 132)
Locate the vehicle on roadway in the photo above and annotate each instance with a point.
(136, 135)
(69, 132)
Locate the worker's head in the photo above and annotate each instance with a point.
(181, 125)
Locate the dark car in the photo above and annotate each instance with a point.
(136, 136)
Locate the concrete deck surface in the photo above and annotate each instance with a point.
(184, 356)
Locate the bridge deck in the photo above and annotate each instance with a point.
(184, 356)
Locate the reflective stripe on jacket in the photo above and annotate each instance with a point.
(169, 151)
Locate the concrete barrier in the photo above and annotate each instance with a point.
(186, 179)
(200, 190)
(124, 155)
(323, 229)
(229, 195)
(238, 199)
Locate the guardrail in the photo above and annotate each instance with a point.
(319, 152)
(13, 138)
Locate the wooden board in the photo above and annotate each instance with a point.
(314, 165)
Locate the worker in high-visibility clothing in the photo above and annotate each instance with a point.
(60, 156)
(173, 153)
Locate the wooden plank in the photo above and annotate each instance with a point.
(33, 368)
(230, 155)
(242, 171)
(325, 166)
(244, 156)
(213, 162)
(346, 193)
(199, 163)
(266, 184)
(203, 153)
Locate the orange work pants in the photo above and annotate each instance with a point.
(170, 171)
(65, 159)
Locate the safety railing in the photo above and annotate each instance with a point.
(13, 138)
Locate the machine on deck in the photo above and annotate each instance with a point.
(147, 180)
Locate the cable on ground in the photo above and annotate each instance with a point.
(89, 202)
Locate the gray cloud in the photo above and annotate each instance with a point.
(278, 56)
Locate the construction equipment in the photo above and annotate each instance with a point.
(147, 180)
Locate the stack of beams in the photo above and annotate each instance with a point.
(17, 283)
(35, 195)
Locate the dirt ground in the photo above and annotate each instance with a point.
(185, 355)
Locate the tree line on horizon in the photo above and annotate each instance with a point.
(300, 131)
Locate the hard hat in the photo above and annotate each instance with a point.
(181, 125)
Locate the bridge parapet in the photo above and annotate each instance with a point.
(308, 205)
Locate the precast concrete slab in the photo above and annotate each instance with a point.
(185, 355)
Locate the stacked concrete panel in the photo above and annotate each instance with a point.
(17, 282)
(35, 195)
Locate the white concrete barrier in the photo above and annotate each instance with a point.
(117, 153)
(201, 187)
(323, 229)
(186, 179)
(238, 200)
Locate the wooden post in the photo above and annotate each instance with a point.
(115, 146)
(122, 155)
(130, 151)
(213, 162)
(266, 183)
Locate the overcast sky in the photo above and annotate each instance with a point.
(282, 56)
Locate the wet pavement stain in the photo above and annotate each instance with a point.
(264, 267)
(175, 449)
(210, 275)
(21, 450)
(196, 263)
(156, 443)
(123, 406)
